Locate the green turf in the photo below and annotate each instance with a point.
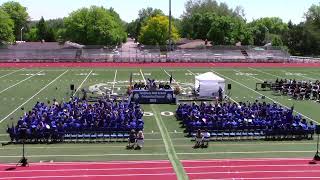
(169, 142)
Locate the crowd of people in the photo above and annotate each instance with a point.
(262, 116)
(298, 89)
(151, 85)
(135, 140)
(53, 121)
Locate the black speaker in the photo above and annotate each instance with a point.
(263, 85)
(317, 129)
(71, 87)
(229, 86)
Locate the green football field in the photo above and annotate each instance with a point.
(20, 89)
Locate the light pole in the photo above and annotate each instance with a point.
(170, 28)
(21, 33)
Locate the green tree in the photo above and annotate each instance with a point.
(6, 28)
(134, 28)
(42, 29)
(227, 30)
(18, 14)
(197, 14)
(156, 31)
(312, 30)
(265, 29)
(94, 26)
(276, 40)
(32, 35)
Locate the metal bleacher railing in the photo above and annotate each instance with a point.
(136, 53)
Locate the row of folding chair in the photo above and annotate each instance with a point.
(95, 137)
(235, 135)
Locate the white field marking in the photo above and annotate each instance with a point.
(19, 82)
(264, 72)
(248, 166)
(227, 96)
(250, 172)
(114, 80)
(245, 152)
(267, 178)
(300, 75)
(33, 96)
(144, 79)
(82, 83)
(11, 73)
(263, 95)
(173, 79)
(87, 176)
(249, 160)
(94, 163)
(87, 169)
(120, 146)
(76, 147)
(249, 76)
(171, 153)
(87, 155)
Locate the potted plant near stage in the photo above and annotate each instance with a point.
(177, 91)
(129, 90)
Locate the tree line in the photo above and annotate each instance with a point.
(202, 19)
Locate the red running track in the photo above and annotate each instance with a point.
(252, 169)
(155, 65)
(129, 170)
(223, 169)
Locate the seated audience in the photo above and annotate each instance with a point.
(199, 139)
(257, 116)
(46, 122)
(140, 140)
(132, 139)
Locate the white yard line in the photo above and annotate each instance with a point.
(82, 83)
(310, 78)
(11, 73)
(265, 72)
(243, 152)
(172, 78)
(249, 76)
(33, 96)
(114, 80)
(262, 95)
(20, 82)
(86, 155)
(144, 79)
(151, 146)
(167, 141)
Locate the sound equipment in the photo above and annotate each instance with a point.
(229, 86)
(317, 129)
(317, 155)
(263, 85)
(71, 87)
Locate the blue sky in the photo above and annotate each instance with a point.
(128, 9)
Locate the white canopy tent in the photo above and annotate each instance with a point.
(208, 84)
